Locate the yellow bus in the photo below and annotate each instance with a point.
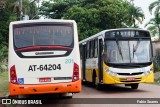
(44, 57)
(117, 56)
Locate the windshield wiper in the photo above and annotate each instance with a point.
(119, 49)
(136, 47)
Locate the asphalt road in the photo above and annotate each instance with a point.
(91, 97)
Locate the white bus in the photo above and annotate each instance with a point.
(43, 57)
(117, 56)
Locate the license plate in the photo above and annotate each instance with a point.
(44, 79)
(130, 79)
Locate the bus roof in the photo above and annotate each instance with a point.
(102, 32)
(44, 20)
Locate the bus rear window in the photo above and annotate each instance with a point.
(43, 35)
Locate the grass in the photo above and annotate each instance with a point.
(3, 83)
(4, 89)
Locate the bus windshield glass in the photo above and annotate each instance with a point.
(127, 51)
(43, 35)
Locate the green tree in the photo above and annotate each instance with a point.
(154, 25)
(155, 5)
(3, 52)
(87, 20)
(6, 16)
(56, 9)
(92, 16)
(9, 11)
(96, 15)
(30, 9)
(135, 15)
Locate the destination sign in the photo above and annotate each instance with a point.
(126, 33)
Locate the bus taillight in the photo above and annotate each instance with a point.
(13, 76)
(75, 72)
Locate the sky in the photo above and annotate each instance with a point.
(144, 4)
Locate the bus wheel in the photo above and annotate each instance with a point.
(134, 86)
(83, 82)
(94, 78)
(95, 82)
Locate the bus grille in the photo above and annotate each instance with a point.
(125, 80)
(129, 74)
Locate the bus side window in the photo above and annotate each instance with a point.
(96, 48)
(87, 49)
(91, 49)
(80, 47)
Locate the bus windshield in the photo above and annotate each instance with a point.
(43, 35)
(127, 51)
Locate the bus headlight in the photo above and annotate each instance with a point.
(148, 71)
(110, 72)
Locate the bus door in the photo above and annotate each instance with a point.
(84, 61)
(100, 71)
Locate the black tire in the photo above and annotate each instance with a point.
(127, 85)
(94, 78)
(96, 85)
(84, 82)
(134, 86)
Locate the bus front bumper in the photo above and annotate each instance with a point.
(70, 87)
(108, 79)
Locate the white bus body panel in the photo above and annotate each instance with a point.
(32, 77)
